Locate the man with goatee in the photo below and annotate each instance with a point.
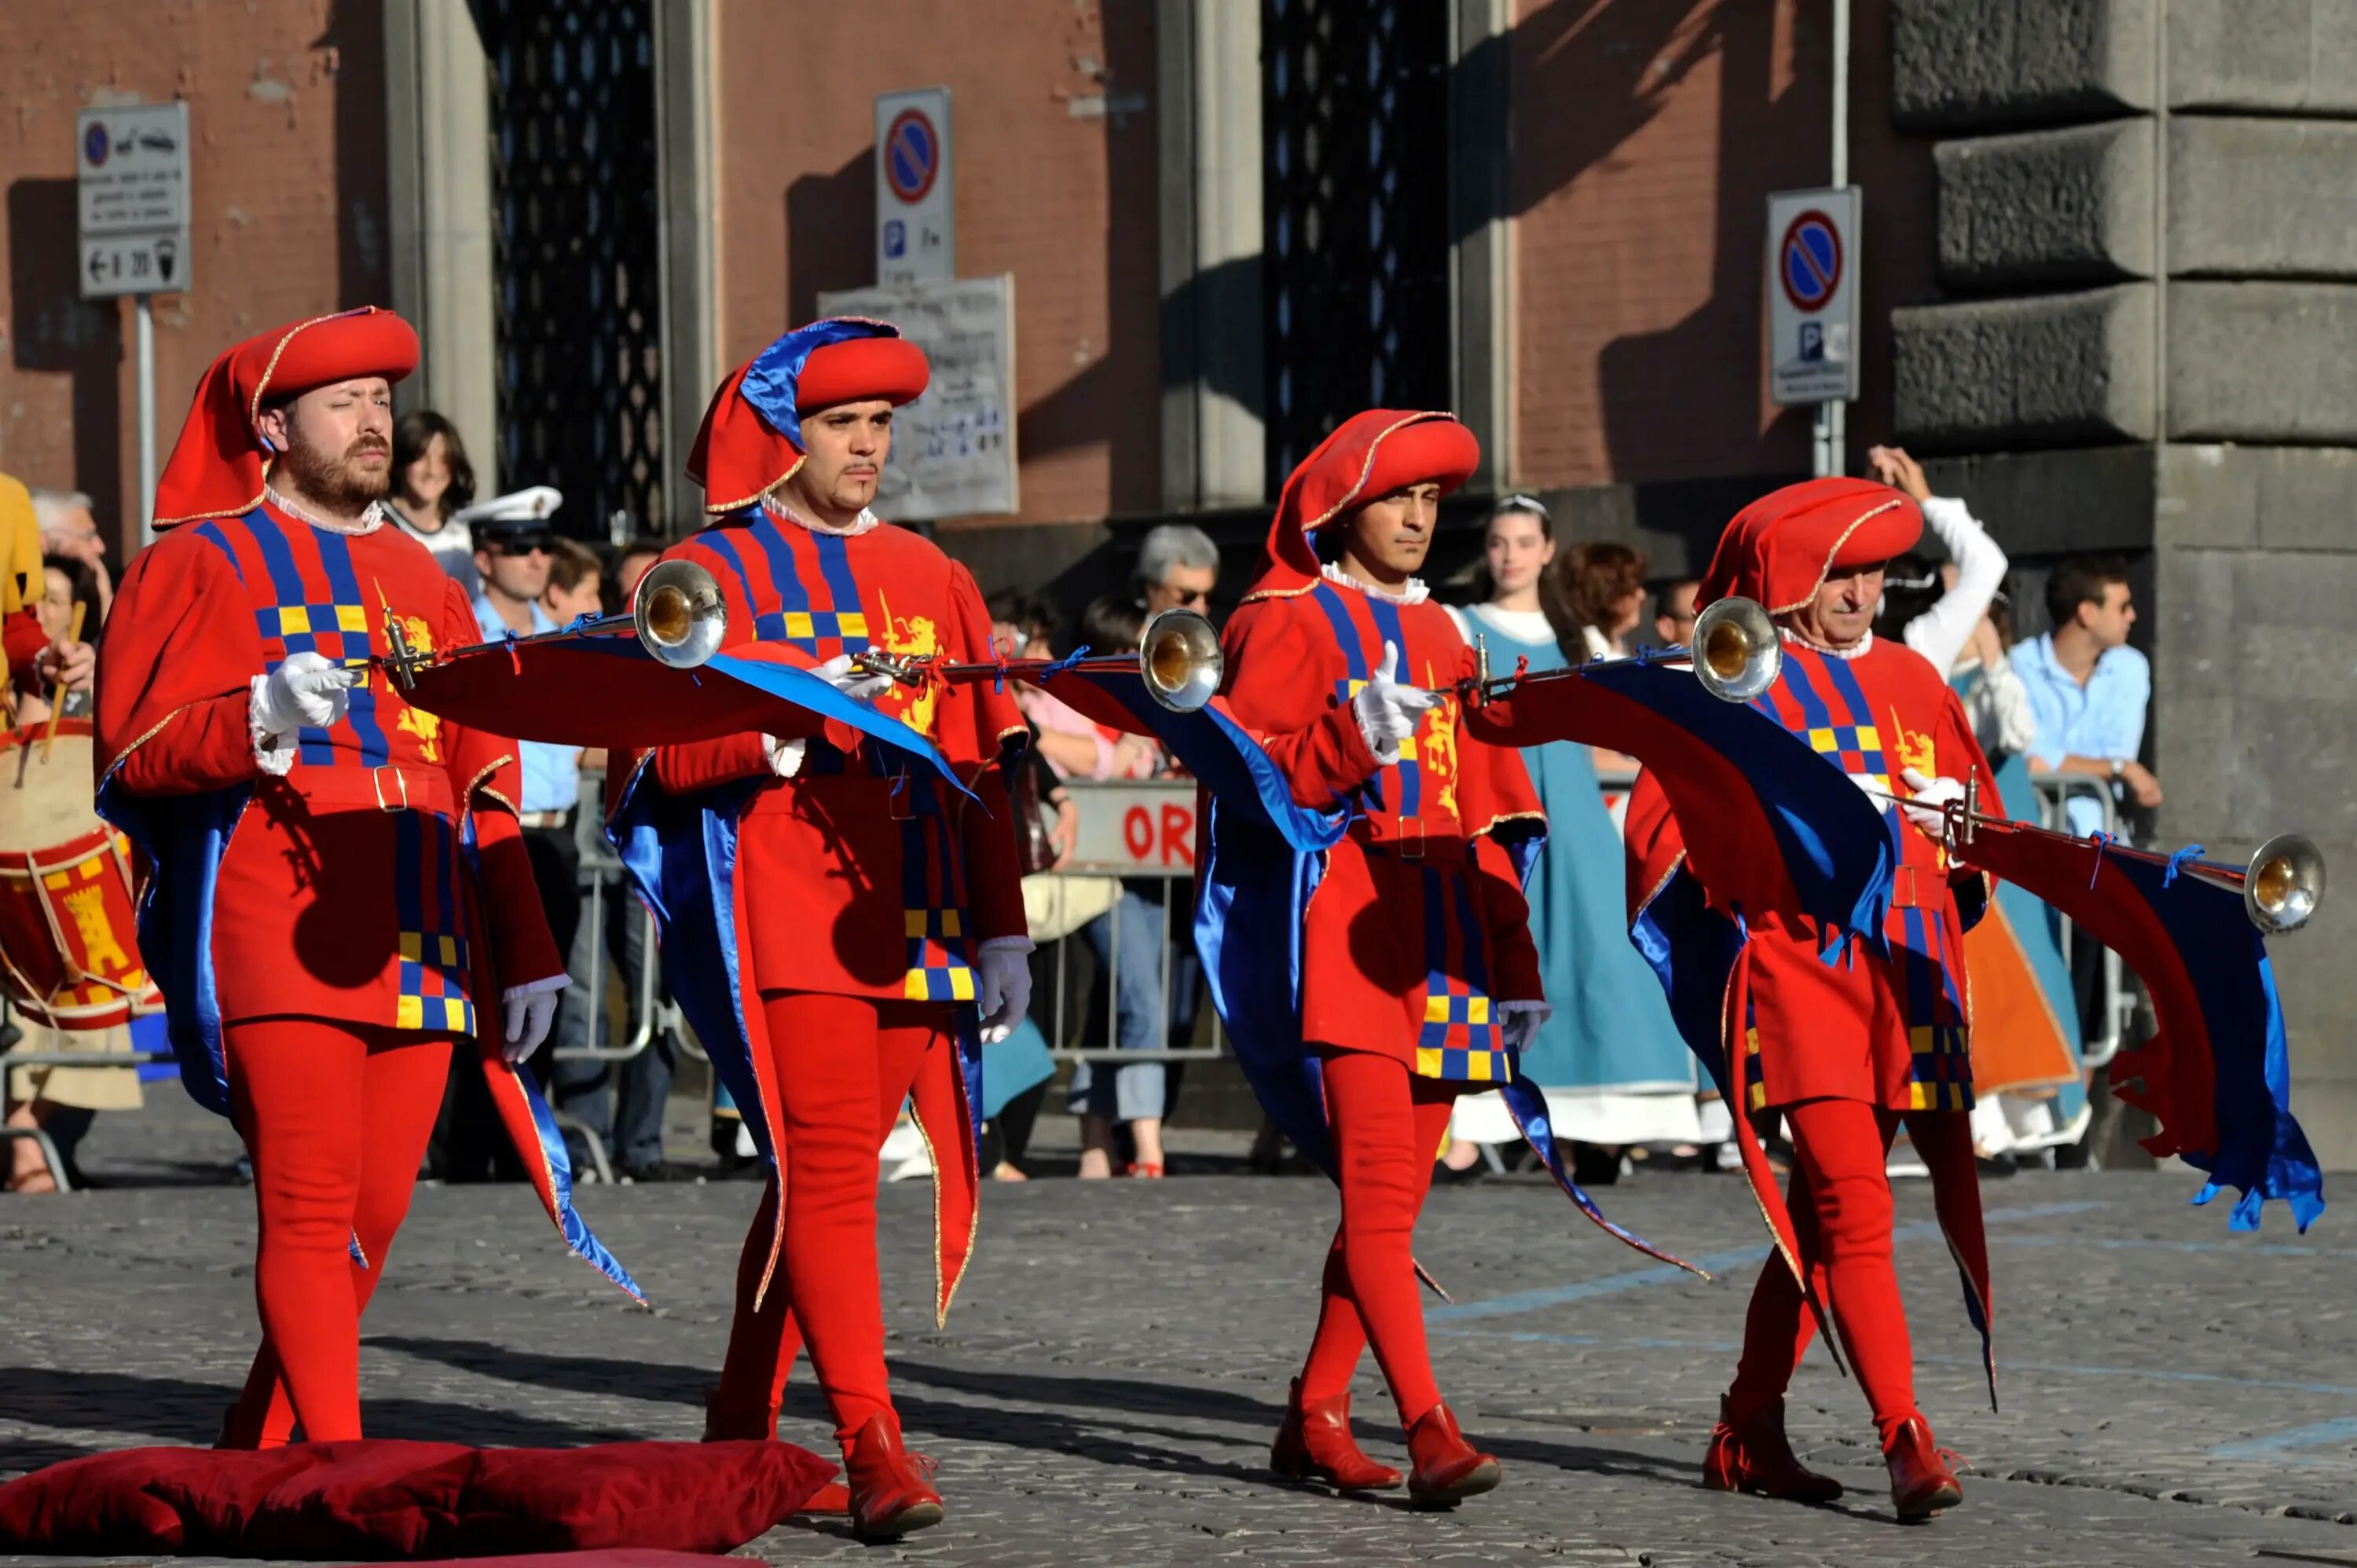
(340, 895)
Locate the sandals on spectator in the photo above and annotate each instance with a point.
(1146, 1170)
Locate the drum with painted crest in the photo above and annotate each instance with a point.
(69, 941)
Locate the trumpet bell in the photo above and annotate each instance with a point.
(1737, 652)
(679, 614)
(1180, 659)
(2284, 883)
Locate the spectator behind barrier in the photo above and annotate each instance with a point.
(1134, 1096)
(432, 482)
(631, 561)
(2088, 689)
(575, 581)
(1673, 621)
(69, 531)
(1178, 566)
(1599, 589)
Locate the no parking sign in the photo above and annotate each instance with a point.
(1813, 296)
(916, 229)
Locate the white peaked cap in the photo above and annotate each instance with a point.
(516, 506)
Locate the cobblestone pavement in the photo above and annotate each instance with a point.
(1107, 1384)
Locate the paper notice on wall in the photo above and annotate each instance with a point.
(954, 448)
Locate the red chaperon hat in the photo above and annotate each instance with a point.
(1369, 456)
(221, 462)
(1780, 548)
(752, 434)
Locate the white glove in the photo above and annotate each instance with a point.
(307, 689)
(1930, 795)
(1388, 711)
(838, 673)
(1004, 972)
(529, 1014)
(1518, 1022)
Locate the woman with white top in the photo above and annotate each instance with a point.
(2029, 1094)
(1612, 1062)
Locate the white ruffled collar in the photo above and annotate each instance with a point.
(371, 519)
(1853, 652)
(1416, 592)
(778, 509)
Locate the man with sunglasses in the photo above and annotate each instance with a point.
(1178, 566)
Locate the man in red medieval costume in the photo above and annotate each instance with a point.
(1346, 671)
(1843, 1040)
(340, 897)
(840, 927)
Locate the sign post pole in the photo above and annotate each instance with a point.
(143, 309)
(131, 180)
(1832, 422)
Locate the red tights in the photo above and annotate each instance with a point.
(843, 1064)
(1388, 1124)
(335, 1117)
(1840, 1202)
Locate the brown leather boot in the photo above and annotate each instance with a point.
(1756, 1457)
(891, 1492)
(1314, 1443)
(1448, 1469)
(1921, 1482)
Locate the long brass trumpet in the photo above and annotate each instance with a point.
(1736, 653)
(2282, 884)
(678, 615)
(1179, 657)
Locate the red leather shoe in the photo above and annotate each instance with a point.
(833, 1497)
(1314, 1443)
(726, 1422)
(1448, 1469)
(1756, 1458)
(892, 1491)
(1921, 1479)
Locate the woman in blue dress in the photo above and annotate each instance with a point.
(1612, 1062)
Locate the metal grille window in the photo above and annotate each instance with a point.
(1355, 182)
(577, 253)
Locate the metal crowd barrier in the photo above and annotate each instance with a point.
(21, 1055)
(2055, 791)
(1131, 829)
(602, 876)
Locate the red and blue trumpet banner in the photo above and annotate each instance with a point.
(2216, 1074)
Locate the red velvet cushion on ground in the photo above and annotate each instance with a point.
(387, 1499)
(97, 1503)
(687, 1497)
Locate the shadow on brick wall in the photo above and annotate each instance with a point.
(54, 331)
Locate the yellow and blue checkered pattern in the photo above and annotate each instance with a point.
(434, 960)
(940, 959)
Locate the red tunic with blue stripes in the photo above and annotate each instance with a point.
(382, 878)
(863, 877)
(1893, 1031)
(1418, 928)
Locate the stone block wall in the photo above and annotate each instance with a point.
(2146, 340)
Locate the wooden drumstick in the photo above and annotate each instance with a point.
(58, 686)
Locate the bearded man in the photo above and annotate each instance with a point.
(339, 883)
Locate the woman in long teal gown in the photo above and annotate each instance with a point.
(1612, 1062)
